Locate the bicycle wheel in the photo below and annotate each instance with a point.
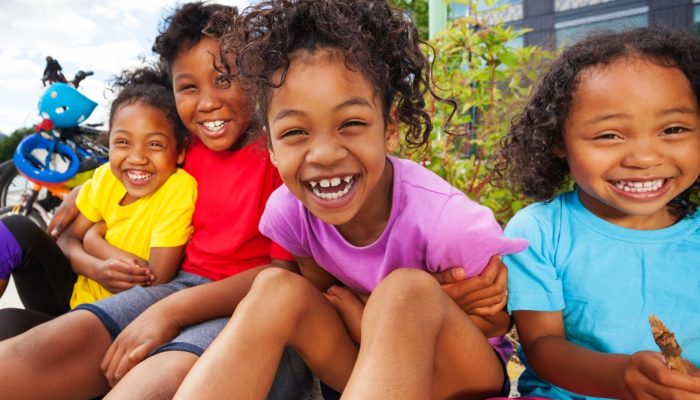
(34, 215)
(13, 185)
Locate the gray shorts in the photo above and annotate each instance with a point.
(292, 381)
(116, 312)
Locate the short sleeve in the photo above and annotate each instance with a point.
(467, 235)
(533, 281)
(87, 200)
(174, 225)
(282, 222)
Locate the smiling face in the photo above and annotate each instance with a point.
(329, 141)
(632, 141)
(218, 116)
(143, 150)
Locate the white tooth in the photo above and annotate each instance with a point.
(347, 179)
(325, 183)
(313, 184)
(335, 181)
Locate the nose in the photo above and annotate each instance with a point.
(644, 153)
(209, 99)
(137, 156)
(326, 149)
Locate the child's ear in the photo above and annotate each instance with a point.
(181, 157)
(269, 147)
(392, 130)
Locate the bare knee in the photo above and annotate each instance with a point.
(279, 287)
(408, 286)
(157, 377)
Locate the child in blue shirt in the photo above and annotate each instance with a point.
(618, 114)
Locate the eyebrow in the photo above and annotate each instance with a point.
(355, 101)
(673, 110)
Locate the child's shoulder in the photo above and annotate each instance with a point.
(548, 213)
(414, 176)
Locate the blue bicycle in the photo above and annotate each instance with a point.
(59, 156)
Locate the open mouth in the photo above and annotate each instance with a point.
(139, 177)
(214, 128)
(640, 186)
(332, 188)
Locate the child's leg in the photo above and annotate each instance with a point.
(418, 344)
(42, 273)
(156, 377)
(281, 309)
(59, 359)
(14, 321)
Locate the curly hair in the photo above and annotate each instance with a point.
(375, 39)
(149, 85)
(187, 25)
(527, 157)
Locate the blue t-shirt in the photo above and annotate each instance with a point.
(607, 280)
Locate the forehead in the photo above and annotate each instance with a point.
(323, 71)
(203, 55)
(141, 118)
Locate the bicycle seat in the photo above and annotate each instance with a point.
(65, 106)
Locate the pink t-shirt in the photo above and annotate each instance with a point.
(432, 226)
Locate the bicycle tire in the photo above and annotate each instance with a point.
(13, 185)
(33, 216)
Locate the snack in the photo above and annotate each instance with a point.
(667, 343)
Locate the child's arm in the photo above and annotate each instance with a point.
(66, 212)
(165, 262)
(592, 373)
(95, 244)
(113, 274)
(163, 321)
(482, 297)
(3, 286)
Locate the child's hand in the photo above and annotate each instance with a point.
(66, 212)
(350, 306)
(483, 295)
(147, 332)
(647, 377)
(117, 275)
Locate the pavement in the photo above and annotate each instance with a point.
(10, 298)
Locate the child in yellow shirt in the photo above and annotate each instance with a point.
(136, 211)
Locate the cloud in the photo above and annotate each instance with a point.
(105, 37)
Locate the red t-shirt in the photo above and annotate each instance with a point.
(233, 187)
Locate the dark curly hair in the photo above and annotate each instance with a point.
(376, 39)
(149, 85)
(187, 25)
(527, 159)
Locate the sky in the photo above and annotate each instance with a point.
(104, 36)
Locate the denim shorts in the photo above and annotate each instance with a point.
(293, 378)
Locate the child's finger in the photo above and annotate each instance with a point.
(448, 276)
(110, 363)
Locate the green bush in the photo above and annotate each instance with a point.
(9, 144)
(490, 79)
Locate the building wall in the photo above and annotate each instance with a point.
(557, 22)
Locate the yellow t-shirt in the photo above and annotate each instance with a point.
(161, 219)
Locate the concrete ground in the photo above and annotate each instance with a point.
(10, 298)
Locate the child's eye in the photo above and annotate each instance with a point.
(292, 132)
(607, 136)
(350, 124)
(157, 145)
(674, 130)
(185, 87)
(120, 142)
